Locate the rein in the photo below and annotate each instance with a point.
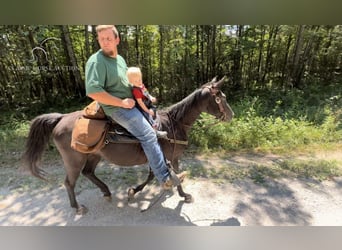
(178, 141)
(218, 101)
(210, 124)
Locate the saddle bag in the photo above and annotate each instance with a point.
(88, 135)
(94, 111)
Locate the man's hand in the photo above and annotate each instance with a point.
(106, 98)
(128, 103)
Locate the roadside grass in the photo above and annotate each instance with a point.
(318, 170)
(219, 168)
(316, 165)
(264, 134)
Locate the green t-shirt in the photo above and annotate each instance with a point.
(108, 74)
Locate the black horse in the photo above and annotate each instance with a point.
(176, 120)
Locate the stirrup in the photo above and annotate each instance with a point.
(175, 180)
(118, 132)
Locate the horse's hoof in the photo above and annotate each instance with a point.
(108, 198)
(81, 210)
(130, 194)
(188, 198)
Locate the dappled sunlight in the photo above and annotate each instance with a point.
(230, 190)
(262, 193)
(272, 204)
(40, 207)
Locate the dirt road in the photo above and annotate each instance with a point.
(279, 201)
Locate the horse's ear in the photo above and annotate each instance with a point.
(213, 80)
(209, 84)
(219, 83)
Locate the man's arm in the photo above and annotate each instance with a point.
(106, 98)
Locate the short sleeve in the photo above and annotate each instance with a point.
(95, 74)
(137, 93)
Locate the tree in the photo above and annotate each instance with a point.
(40, 63)
(74, 72)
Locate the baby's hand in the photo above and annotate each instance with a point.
(151, 112)
(153, 99)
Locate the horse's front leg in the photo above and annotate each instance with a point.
(187, 197)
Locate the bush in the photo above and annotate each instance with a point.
(260, 124)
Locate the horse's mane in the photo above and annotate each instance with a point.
(178, 110)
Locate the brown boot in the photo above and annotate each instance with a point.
(169, 183)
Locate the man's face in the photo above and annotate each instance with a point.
(108, 42)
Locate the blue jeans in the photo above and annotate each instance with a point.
(135, 123)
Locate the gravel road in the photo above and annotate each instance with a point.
(280, 202)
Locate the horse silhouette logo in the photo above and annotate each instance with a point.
(41, 48)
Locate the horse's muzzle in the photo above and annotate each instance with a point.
(226, 118)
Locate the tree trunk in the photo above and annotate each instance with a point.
(269, 52)
(237, 65)
(261, 49)
(96, 45)
(86, 42)
(296, 69)
(137, 45)
(72, 66)
(198, 68)
(213, 51)
(285, 73)
(161, 62)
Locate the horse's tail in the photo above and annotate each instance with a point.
(39, 135)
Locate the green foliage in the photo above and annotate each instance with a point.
(12, 141)
(268, 123)
(175, 59)
(14, 127)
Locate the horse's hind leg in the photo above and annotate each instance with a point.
(133, 191)
(73, 166)
(89, 172)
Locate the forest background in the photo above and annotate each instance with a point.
(283, 81)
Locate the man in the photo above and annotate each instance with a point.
(107, 83)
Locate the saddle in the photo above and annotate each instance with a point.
(93, 130)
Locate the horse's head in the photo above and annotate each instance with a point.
(217, 102)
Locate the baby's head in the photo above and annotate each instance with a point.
(134, 76)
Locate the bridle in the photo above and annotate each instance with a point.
(218, 99)
(217, 94)
(214, 92)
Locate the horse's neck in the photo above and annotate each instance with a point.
(190, 117)
(187, 111)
